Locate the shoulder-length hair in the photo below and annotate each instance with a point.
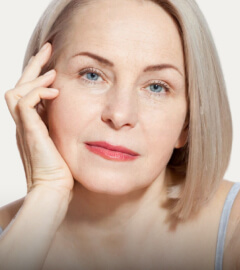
(202, 162)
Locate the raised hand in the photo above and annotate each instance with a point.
(43, 164)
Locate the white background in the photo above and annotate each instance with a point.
(17, 21)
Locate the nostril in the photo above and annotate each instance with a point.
(120, 108)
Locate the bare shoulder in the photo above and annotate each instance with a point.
(231, 258)
(8, 212)
(224, 189)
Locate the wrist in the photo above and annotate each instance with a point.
(28, 237)
(49, 202)
(49, 189)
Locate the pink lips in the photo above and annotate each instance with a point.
(111, 152)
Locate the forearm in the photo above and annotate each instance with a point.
(25, 243)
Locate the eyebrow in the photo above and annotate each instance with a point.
(106, 62)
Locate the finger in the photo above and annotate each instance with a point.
(42, 81)
(13, 96)
(28, 115)
(35, 65)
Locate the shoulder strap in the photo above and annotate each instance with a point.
(223, 224)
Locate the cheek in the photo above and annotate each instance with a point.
(69, 115)
(164, 128)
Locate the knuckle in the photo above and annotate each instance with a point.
(22, 103)
(8, 94)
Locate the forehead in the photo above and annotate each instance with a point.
(125, 29)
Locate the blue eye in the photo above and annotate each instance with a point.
(156, 88)
(92, 76)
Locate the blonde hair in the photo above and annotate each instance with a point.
(203, 161)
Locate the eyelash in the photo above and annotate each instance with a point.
(92, 70)
(89, 70)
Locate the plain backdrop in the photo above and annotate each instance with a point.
(17, 21)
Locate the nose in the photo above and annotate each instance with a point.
(120, 108)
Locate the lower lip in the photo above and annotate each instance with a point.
(109, 154)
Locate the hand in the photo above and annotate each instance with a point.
(42, 162)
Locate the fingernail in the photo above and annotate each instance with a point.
(44, 47)
(49, 73)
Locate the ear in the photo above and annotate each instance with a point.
(41, 110)
(183, 138)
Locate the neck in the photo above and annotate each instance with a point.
(106, 212)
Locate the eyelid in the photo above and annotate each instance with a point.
(90, 69)
(161, 83)
(84, 71)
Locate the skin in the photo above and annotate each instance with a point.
(116, 209)
(120, 105)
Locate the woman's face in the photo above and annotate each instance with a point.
(121, 80)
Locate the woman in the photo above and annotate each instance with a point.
(124, 130)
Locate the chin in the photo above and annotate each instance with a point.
(115, 187)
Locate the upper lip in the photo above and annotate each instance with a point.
(117, 148)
